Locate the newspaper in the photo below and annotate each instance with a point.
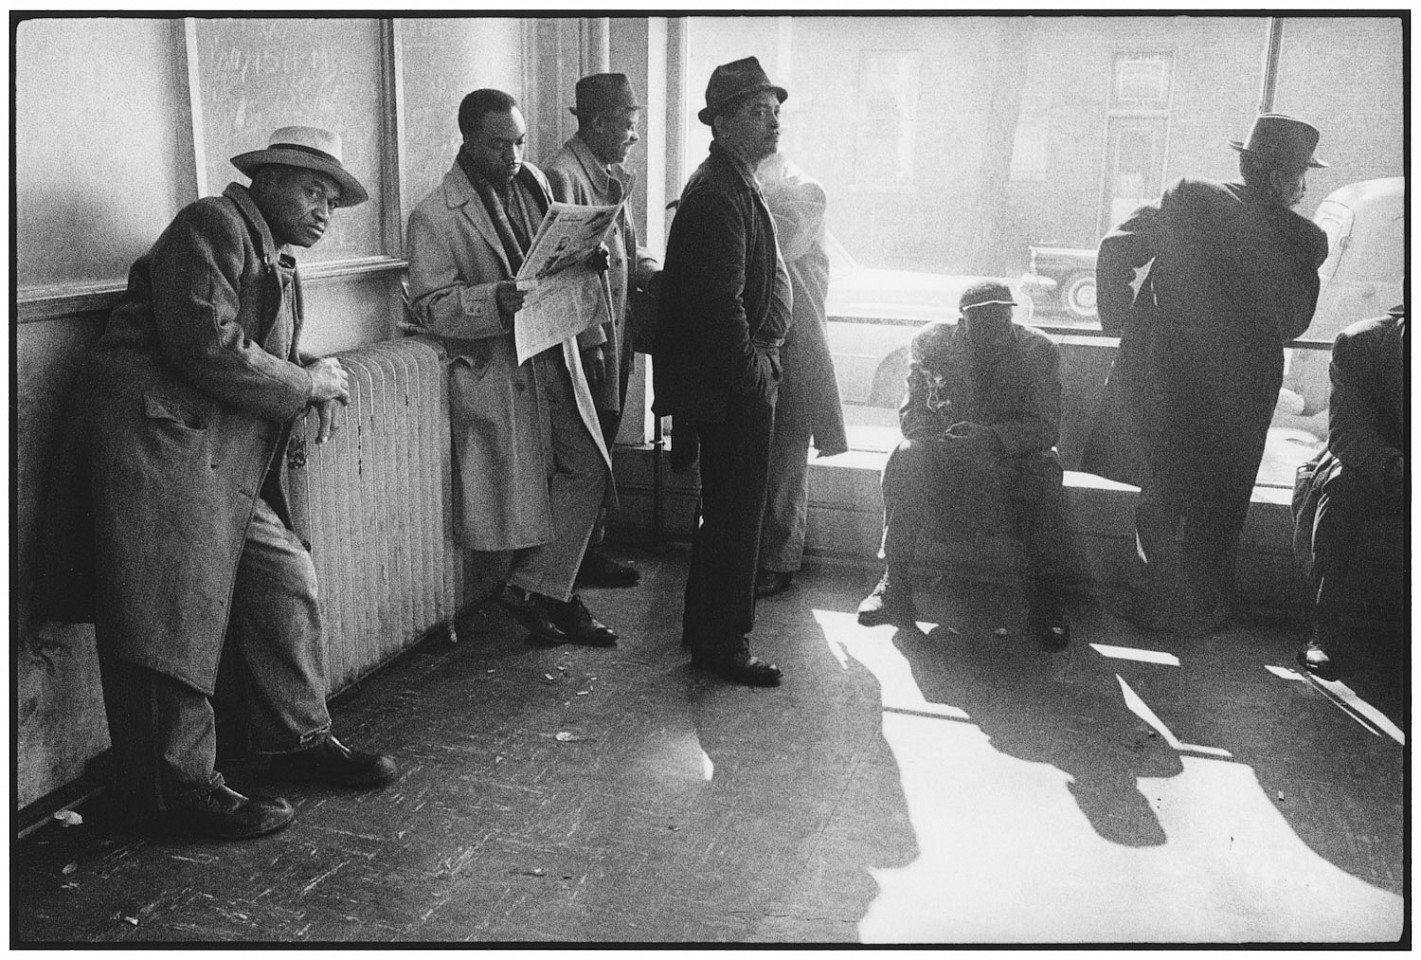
(565, 296)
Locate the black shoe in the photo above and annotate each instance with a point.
(533, 612)
(579, 626)
(739, 667)
(600, 570)
(331, 761)
(889, 603)
(770, 582)
(1053, 631)
(224, 814)
(1315, 659)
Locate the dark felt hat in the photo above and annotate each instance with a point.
(309, 147)
(731, 81)
(985, 293)
(1287, 140)
(601, 92)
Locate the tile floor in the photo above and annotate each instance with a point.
(956, 787)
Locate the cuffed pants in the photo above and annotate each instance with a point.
(577, 483)
(927, 488)
(720, 587)
(163, 730)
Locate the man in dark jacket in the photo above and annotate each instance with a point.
(980, 425)
(725, 307)
(1234, 278)
(1360, 476)
(167, 523)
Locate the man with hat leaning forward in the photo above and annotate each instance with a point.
(980, 425)
(1234, 278)
(588, 170)
(725, 307)
(167, 522)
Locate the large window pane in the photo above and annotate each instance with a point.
(960, 147)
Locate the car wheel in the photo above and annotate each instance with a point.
(1078, 296)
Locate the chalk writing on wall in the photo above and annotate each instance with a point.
(259, 74)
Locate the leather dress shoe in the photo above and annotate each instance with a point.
(331, 761)
(737, 667)
(771, 582)
(1314, 658)
(224, 814)
(579, 626)
(600, 570)
(533, 612)
(889, 603)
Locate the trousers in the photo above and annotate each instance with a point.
(927, 488)
(163, 732)
(720, 587)
(787, 486)
(1347, 501)
(577, 482)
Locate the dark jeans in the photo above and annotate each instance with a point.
(720, 588)
(163, 731)
(928, 489)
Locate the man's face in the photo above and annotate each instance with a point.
(752, 131)
(298, 204)
(613, 134)
(1292, 186)
(988, 325)
(496, 145)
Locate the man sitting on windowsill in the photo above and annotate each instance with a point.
(980, 426)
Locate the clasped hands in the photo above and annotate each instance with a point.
(330, 389)
(976, 437)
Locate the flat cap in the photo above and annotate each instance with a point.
(984, 294)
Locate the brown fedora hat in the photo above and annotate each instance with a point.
(309, 147)
(601, 93)
(731, 81)
(1288, 140)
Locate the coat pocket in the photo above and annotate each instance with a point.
(163, 409)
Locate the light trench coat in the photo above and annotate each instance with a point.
(501, 427)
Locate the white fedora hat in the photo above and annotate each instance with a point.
(309, 147)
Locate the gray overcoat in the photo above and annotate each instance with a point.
(179, 420)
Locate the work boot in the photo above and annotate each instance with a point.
(734, 662)
(223, 814)
(891, 602)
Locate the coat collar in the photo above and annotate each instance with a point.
(601, 175)
(266, 246)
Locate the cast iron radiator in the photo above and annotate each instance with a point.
(375, 502)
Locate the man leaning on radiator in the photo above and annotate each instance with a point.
(166, 521)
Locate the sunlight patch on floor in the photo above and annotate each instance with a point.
(1012, 850)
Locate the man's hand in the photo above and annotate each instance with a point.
(329, 381)
(653, 285)
(978, 436)
(600, 258)
(329, 411)
(594, 365)
(510, 298)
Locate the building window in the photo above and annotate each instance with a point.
(1137, 131)
(887, 118)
